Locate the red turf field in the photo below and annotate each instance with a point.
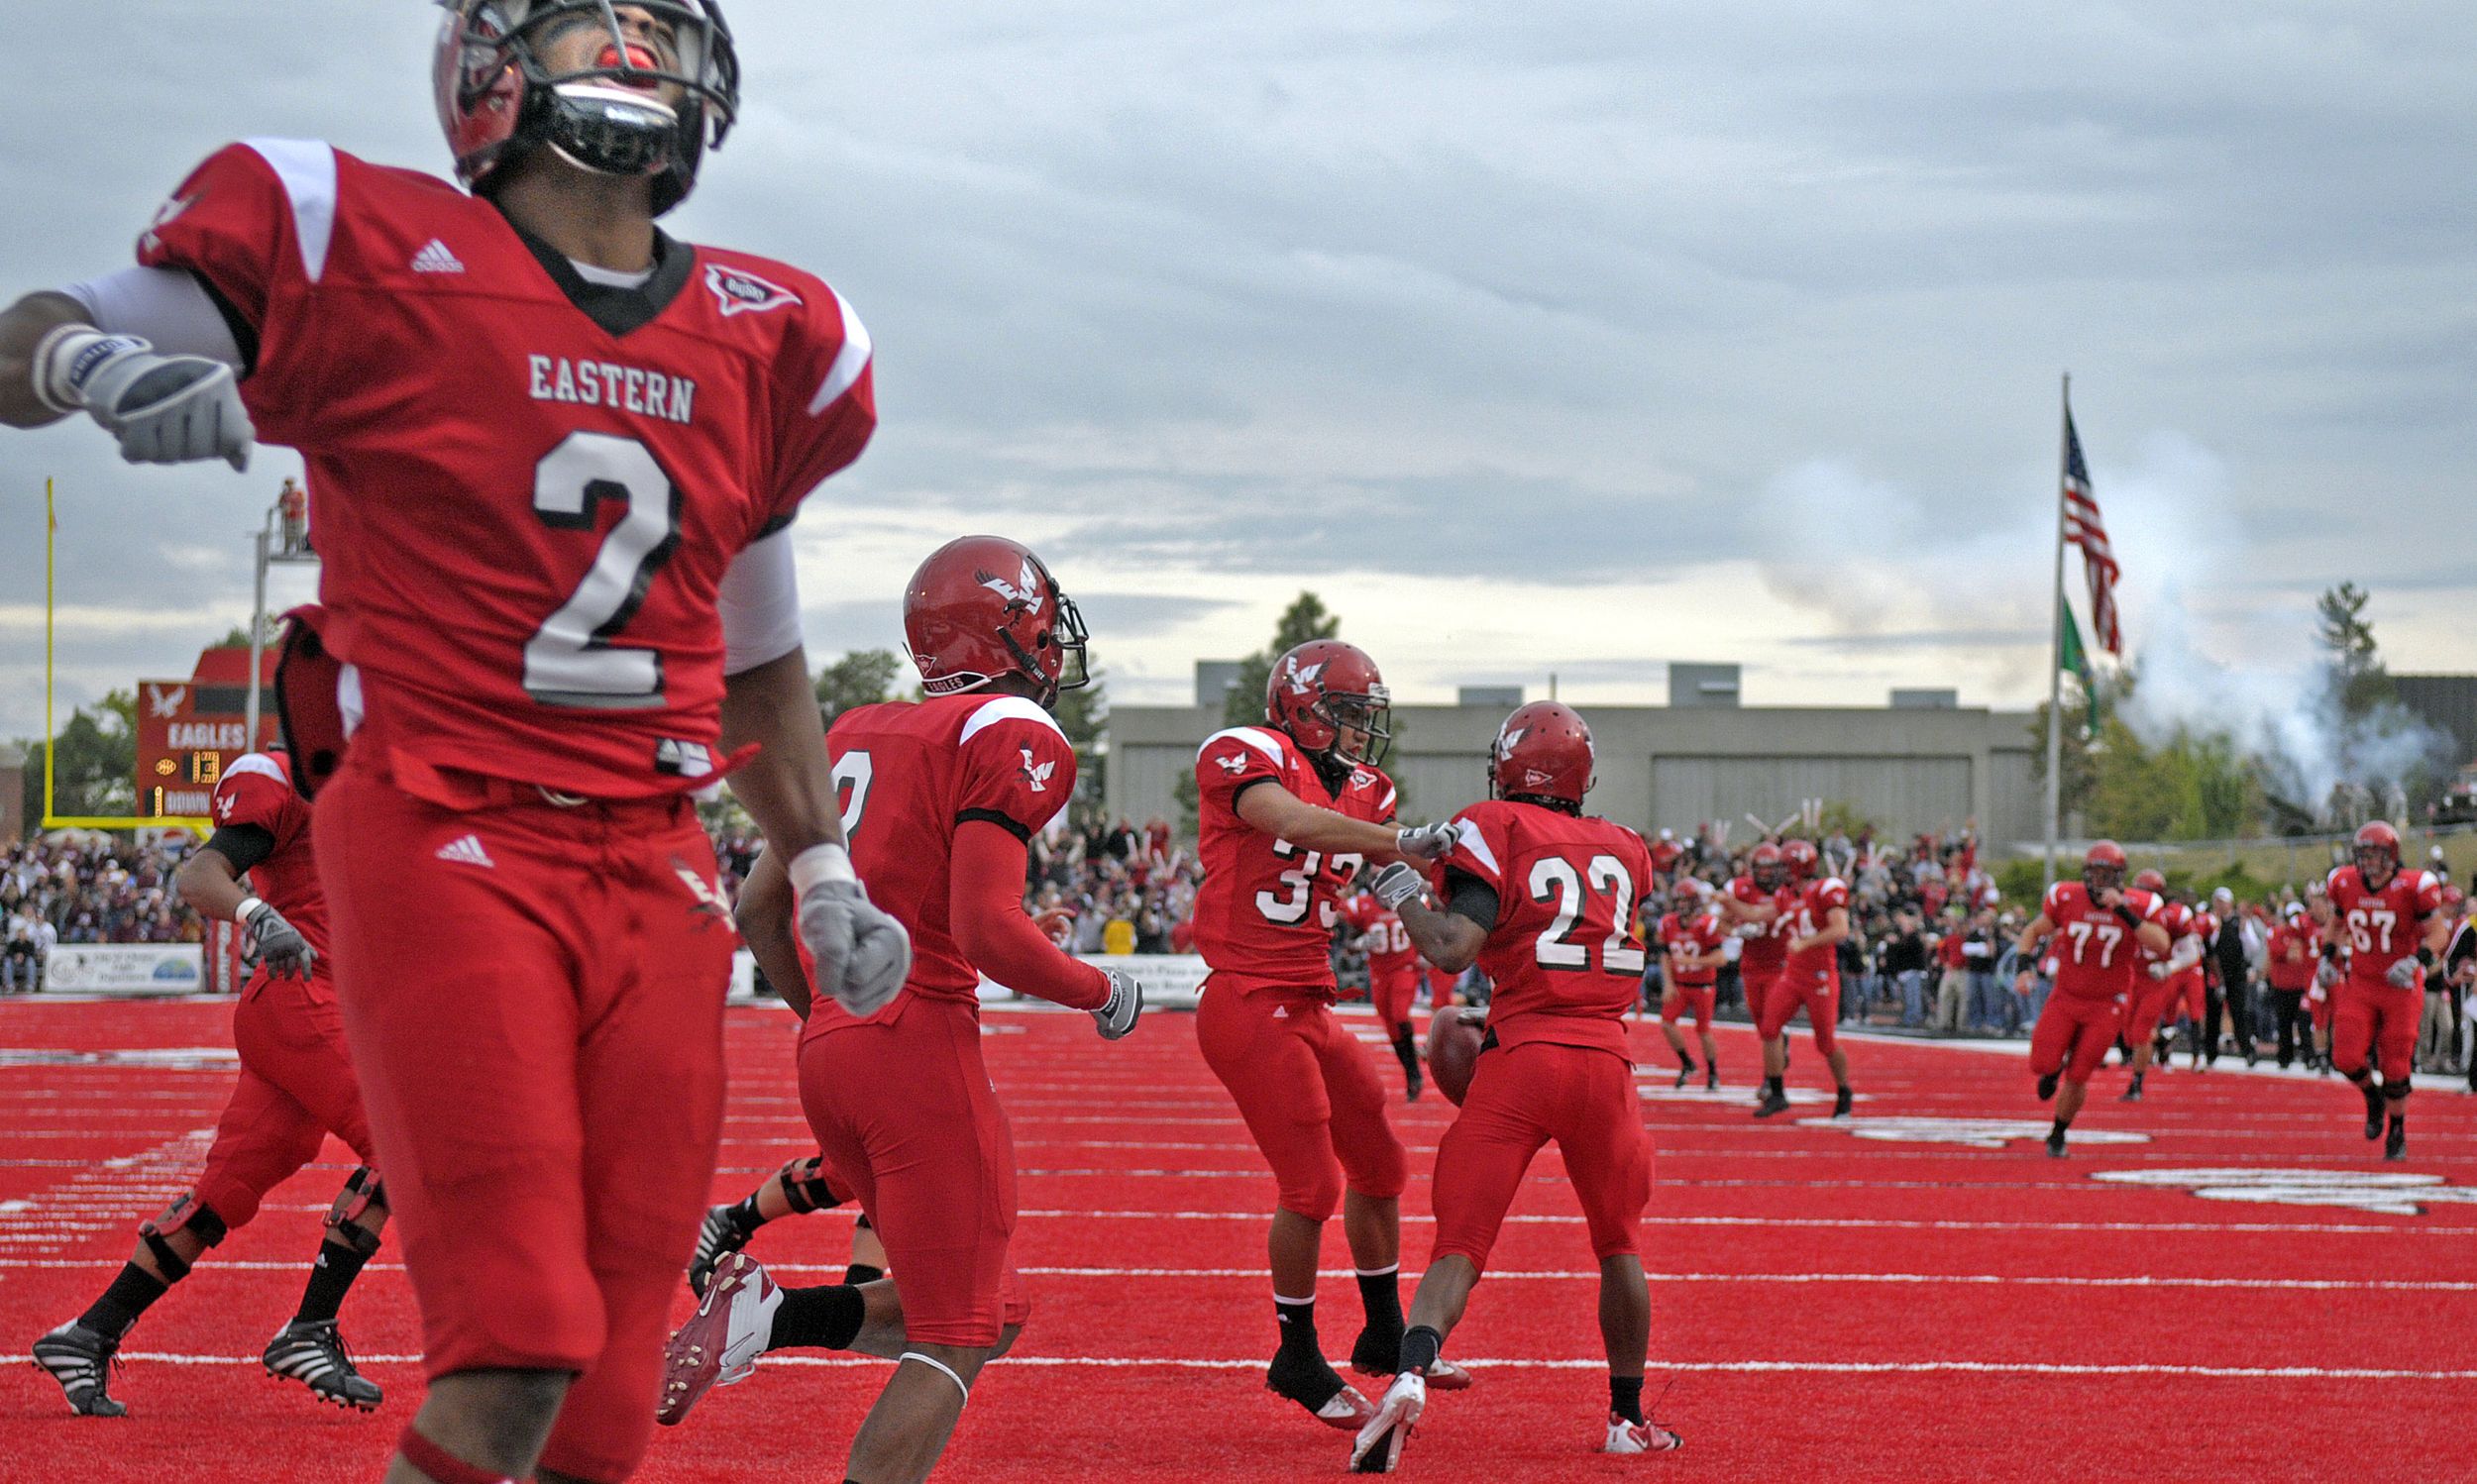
(1829, 1306)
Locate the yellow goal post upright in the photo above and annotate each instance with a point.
(51, 818)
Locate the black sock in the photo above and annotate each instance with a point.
(1773, 1086)
(1420, 1347)
(124, 1300)
(1625, 1397)
(1298, 1327)
(1406, 1050)
(1380, 1294)
(861, 1272)
(824, 1318)
(2057, 1132)
(744, 1216)
(333, 1273)
(1685, 1063)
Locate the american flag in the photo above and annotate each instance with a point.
(2083, 528)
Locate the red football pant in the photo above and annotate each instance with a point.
(540, 1043)
(1520, 1098)
(1820, 996)
(1309, 1095)
(2072, 1035)
(2375, 1020)
(2150, 1001)
(1391, 992)
(1441, 987)
(902, 1110)
(1683, 998)
(296, 1087)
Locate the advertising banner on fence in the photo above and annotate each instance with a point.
(125, 969)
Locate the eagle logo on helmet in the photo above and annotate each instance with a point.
(1507, 741)
(1024, 590)
(741, 293)
(1303, 682)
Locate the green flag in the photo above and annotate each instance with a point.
(2076, 664)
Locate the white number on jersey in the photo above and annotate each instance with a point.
(1554, 877)
(1300, 879)
(853, 773)
(569, 661)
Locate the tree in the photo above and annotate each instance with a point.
(1306, 618)
(862, 677)
(2354, 662)
(94, 761)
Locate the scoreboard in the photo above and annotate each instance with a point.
(190, 731)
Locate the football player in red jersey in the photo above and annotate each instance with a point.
(1690, 946)
(1757, 907)
(2392, 923)
(2160, 989)
(1287, 812)
(1392, 979)
(942, 799)
(1812, 919)
(551, 454)
(296, 1087)
(801, 1188)
(2097, 926)
(1544, 899)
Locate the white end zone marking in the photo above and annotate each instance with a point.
(1975, 1134)
(2388, 1193)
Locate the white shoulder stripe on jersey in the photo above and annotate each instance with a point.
(1478, 847)
(1006, 708)
(1254, 736)
(260, 764)
(849, 362)
(307, 168)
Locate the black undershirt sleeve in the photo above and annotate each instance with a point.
(245, 845)
(1466, 895)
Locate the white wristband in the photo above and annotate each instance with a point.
(248, 908)
(818, 865)
(63, 357)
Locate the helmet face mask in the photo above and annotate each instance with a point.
(1768, 868)
(1328, 697)
(1369, 715)
(499, 98)
(2103, 869)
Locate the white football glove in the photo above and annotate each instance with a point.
(2157, 971)
(1429, 842)
(859, 953)
(1397, 884)
(164, 409)
(2328, 974)
(2403, 974)
(269, 941)
(1126, 1000)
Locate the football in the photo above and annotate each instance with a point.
(1453, 1037)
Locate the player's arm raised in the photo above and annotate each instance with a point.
(149, 359)
(1273, 809)
(1450, 939)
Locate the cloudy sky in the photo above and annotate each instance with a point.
(1560, 337)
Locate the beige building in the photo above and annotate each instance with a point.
(1923, 763)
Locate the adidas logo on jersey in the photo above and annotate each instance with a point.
(434, 258)
(466, 850)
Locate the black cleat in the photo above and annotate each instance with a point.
(2373, 1114)
(1414, 1085)
(1772, 1103)
(2132, 1090)
(722, 1235)
(1711, 1080)
(2396, 1147)
(1316, 1385)
(1841, 1104)
(1685, 1074)
(2055, 1144)
(2047, 1084)
(1377, 1353)
(313, 1354)
(83, 1363)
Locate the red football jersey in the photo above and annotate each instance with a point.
(257, 790)
(2093, 950)
(1386, 942)
(2206, 927)
(2381, 927)
(526, 487)
(1759, 961)
(1562, 955)
(1265, 913)
(1699, 934)
(2177, 919)
(1813, 906)
(2289, 962)
(908, 773)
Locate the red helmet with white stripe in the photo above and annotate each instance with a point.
(1325, 687)
(1543, 754)
(2377, 846)
(983, 606)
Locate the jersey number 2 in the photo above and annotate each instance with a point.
(569, 661)
(1554, 877)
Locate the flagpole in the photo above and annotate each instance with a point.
(2055, 651)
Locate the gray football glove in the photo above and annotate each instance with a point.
(164, 409)
(1126, 1000)
(269, 941)
(2328, 974)
(1397, 884)
(858, 954)
(2403, 974)
(1429, 842)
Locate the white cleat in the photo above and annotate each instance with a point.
(1638, 1437)
(1379, 1444)
(721, 1342)
(1445, 1375)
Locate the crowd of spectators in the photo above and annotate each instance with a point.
(85, 889)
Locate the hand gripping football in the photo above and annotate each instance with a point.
(1453, 1040)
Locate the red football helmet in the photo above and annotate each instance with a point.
(1769, 870)
(2104, 867)
(983, 606)
(1543, 752)
(2377, 846)
(498, 101)
(1801, 858)
(1324, 686)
